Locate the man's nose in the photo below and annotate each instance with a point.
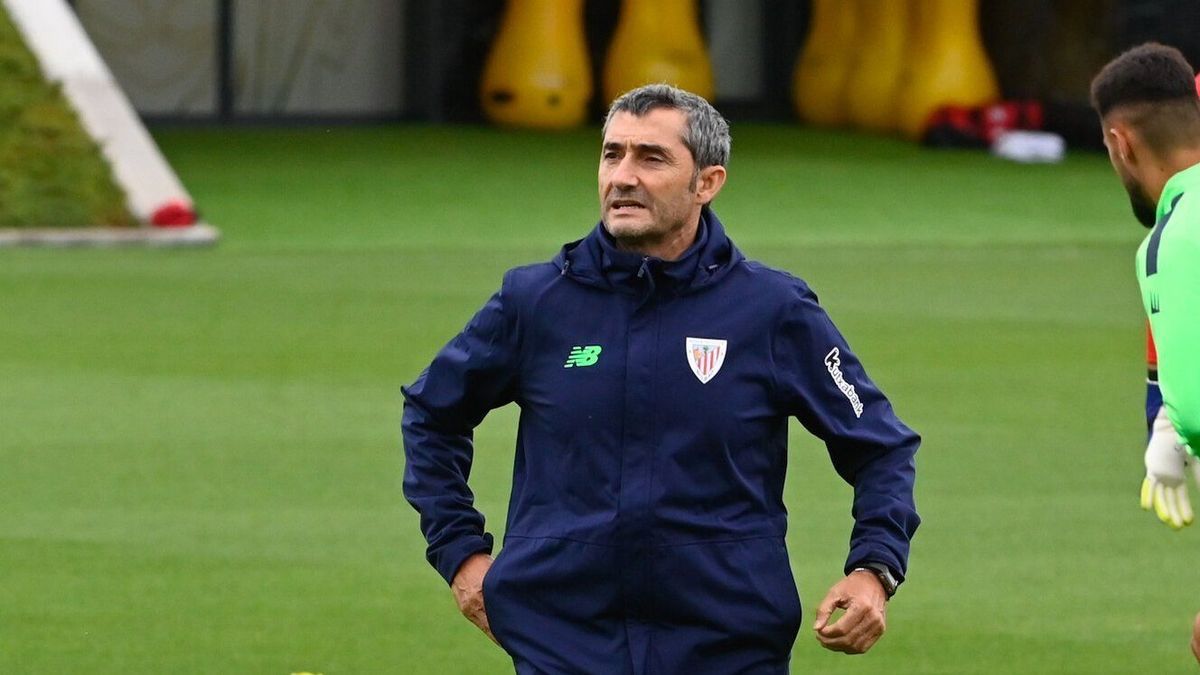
(625, 173)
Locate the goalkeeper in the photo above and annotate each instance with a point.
(1150, 116)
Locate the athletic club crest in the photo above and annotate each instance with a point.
(705, 356)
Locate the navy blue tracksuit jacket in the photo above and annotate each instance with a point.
(646, 525)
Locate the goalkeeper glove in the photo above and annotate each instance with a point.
(1165, 487)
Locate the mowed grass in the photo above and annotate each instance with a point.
(199, 450)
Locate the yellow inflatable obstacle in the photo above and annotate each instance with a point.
(946, 63)
(819, 80)
(873, 84)
(657, 41)
(537, 74)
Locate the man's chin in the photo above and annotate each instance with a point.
(626, 227)
(1144, 210)
(1144, 213)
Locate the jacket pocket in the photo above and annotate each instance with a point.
(741, 590)
(493, 600)
(544, 595)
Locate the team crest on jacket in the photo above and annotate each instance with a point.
(705, 356)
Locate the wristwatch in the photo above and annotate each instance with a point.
(883, 573)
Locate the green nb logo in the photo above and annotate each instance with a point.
(583, 356)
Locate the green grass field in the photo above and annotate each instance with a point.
(200, 457)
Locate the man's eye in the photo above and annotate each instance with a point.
(654, 159)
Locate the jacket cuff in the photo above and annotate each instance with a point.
(1154, 399)
(868, 553)
(448, 559)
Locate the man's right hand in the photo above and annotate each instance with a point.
(468, 591)
(1165, 487)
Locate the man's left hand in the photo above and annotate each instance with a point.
(1196, 638)
(861, 594)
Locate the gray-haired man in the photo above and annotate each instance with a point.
(656, 369)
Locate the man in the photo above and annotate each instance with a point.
(1150, 117)
(655, 368)
(1164, 489)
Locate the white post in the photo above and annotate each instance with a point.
(56, 38)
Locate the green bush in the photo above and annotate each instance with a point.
(52, 173)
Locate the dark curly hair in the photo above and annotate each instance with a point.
(1154, 86)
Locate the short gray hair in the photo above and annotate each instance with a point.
(707, 133)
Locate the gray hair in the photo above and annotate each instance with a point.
(707, 133)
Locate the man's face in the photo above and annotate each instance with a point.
(646, 176)
(1144, 208)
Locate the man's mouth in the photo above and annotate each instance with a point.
(625, 205)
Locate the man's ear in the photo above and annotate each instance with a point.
(709, 183)
(1124, 143)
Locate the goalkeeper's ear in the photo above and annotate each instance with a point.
(1121, 140)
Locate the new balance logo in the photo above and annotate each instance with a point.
(583, 356)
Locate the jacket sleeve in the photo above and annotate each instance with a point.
(474, 373)
(1177, 326)
(823, 385)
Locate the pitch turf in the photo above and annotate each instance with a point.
(199, 452)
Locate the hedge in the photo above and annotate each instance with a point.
(52, 174)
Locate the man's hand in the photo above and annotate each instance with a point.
(468, 591)
(861, 594)
(1196, 638)
(1165, 487)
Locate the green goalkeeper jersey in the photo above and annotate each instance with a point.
(1168, 269)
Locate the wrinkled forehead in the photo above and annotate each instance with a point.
(659, 126)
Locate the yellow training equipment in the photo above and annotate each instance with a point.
(873, 85)
(537, 74)
(658, 41)
(819, 81)
(946, 63)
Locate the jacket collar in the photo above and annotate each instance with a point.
(596, 261)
